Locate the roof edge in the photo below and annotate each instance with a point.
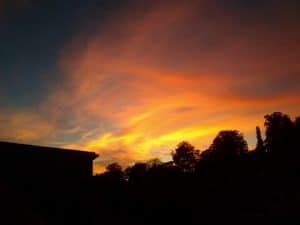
(93, 155)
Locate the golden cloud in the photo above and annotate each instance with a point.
(145, 81)
(157, 81)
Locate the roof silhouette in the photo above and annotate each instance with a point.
(36, 149)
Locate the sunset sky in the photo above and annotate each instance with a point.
(131, 79)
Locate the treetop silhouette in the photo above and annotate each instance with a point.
(228, 144)
(185, 156)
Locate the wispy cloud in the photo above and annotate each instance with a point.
(150, 77)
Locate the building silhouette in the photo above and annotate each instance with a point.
(45, 184)
(29, 162)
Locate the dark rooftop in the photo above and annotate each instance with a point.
(7, 146)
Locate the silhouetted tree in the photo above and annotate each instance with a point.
(153, 163)
(185, 156)
(113, 167)
(260, 147)
(137, 172)
(297, 122)
(279, 132)
(114, 172)
(297, 126)
(228, 144)
(297, 132)
(206, 155)
(204, 165)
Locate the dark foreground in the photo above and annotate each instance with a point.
(225, 180)
(170, 195)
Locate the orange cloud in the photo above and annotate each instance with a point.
(156, 81)
(145, 81)
(27, 126)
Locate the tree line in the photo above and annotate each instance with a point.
(282, 136)
(225, 179)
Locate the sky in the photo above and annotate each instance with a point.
(131, 79)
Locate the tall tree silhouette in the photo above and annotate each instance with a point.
(297, 125)
(297, 122)
(228, 144)
(185, 156)
(260, 147)
(297, 131)
(279, 132)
